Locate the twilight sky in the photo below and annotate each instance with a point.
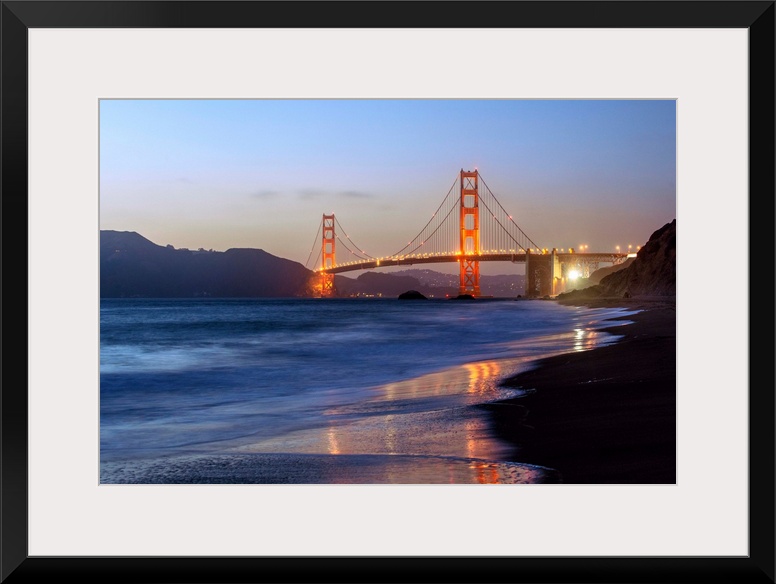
(260, 173)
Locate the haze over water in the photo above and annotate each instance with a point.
(260, 378)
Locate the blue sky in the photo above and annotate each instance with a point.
(260, 173)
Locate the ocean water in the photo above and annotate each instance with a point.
(320, 390)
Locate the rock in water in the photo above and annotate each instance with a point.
(411, 295)
(463, 297)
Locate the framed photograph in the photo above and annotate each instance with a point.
(149, 149)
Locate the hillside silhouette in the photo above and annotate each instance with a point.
(131, 266)
(651, 273)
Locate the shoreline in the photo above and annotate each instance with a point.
(562, 431)
(602, 416)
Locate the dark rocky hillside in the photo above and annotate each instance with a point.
(651, 273)
(601, 273)
(598, 275)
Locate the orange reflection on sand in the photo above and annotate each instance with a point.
(480, 378)
(482, 472)
(433, 384)
(471, 440)
(390, 435)
(333, 444)
(579, 340)
(480, 374)
(585, 339)
(486, 473)
(479, 447)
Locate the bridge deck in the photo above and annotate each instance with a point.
(564, 258)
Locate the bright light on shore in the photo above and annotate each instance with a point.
(573, 275)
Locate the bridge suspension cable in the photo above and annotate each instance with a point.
(316, 244)
(447, 206)
(367, 256)
(469, 222)
(506, 217)
(499, 233)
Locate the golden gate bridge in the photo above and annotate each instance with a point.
(469, 226)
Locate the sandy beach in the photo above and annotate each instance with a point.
(607, 415)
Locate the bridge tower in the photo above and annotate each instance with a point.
(470, 233)
(327, 255)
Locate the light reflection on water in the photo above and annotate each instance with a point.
(420, 424)
(258, 380)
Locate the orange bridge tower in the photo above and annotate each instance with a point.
(327, 256)
(470, 233)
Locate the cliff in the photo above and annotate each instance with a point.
(651, 273)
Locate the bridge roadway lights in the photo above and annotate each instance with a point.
(546, 273)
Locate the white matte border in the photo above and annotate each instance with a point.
(705, 514)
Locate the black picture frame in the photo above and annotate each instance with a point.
(19, 16)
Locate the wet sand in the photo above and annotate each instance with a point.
(308, 469)
(607, 415)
